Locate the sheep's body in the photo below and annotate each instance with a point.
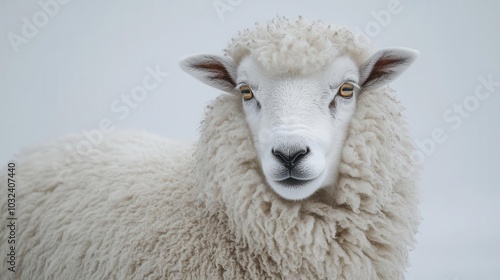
(86, 217)
(141, 207)
(148, 218)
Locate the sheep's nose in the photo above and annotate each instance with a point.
(290, 157)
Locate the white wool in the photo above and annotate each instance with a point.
(142, 207)
(362, 229)
(291, 46)
(134, 209)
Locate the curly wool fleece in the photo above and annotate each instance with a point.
(297, 47)
(140, 207)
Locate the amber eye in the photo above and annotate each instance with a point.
(346, 90)
(246, 91)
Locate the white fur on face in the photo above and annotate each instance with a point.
(301, 118)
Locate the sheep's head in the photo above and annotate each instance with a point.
(299, 116)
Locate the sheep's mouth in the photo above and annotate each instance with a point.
(294, 183)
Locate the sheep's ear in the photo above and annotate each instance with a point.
(385, 66)
(213, 70)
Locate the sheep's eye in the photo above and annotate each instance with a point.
(346, 90)
(246, 91)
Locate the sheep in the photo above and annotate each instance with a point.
(303, 170)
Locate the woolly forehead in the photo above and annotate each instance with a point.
(297, 47)
(341, 69)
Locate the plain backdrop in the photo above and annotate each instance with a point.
(64, 66)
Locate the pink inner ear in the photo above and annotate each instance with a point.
(219, 72)
(384, 66)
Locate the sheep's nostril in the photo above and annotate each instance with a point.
(299, 155)
(290, 158)
(280, 155)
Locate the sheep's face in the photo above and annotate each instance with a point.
(299, 122)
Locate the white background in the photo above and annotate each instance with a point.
(89, 53)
